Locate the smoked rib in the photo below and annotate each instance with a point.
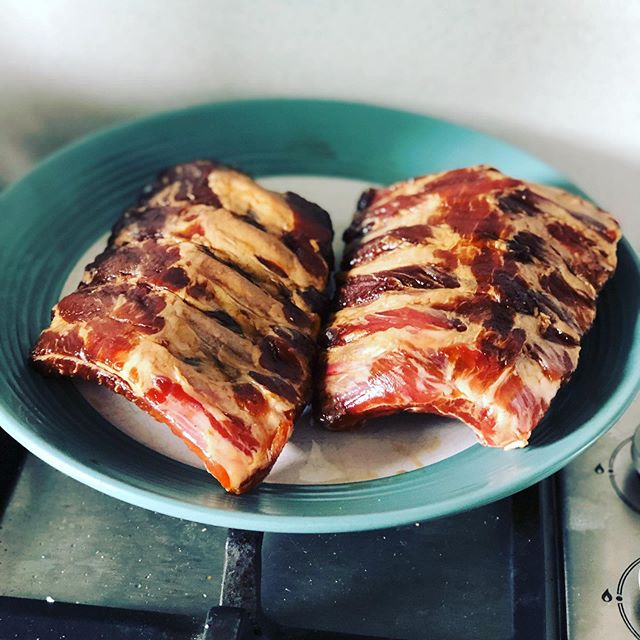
(204, 310)
(466, 294)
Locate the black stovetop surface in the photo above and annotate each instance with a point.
(117, 571)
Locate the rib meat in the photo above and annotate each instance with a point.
(465, 294)
(204, 310)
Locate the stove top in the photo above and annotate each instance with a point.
(601, 515)
(68, 552)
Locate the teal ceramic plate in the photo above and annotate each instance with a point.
(49, 218)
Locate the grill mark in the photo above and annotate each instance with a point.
(275, 385)
(225, 320)
(295, 315)
(481, 309)
(369, 250)
(146, 263)
(500, 318)
(250, 399)
(297, 340)
(489, 227)
(602, 230)
(175, 278)
(503, 348)
(250, 218)
(554, 334)
(568, 236)
(515, 293)
(272, 266)
(278, 292)
(525, 247)
(454, 187)
(278, 356)
(365, 288)
(520, 201)
(560, 289)
(405, 317)
(154, 223)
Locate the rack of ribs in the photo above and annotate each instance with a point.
(464, 294)
(204, 310)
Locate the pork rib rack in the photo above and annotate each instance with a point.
(465, 294)
(204, 310)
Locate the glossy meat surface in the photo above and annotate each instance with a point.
(204, 310)
(466, 294)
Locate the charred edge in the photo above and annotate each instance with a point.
(493, 315)
(314, 262)
(193, 181)
(356, 229)
(150, 221)
(311, 221)
(365, 199)
(517, 295)
(316, 301)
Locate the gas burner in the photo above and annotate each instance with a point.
(627, 598)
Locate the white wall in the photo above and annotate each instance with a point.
(560, 78)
